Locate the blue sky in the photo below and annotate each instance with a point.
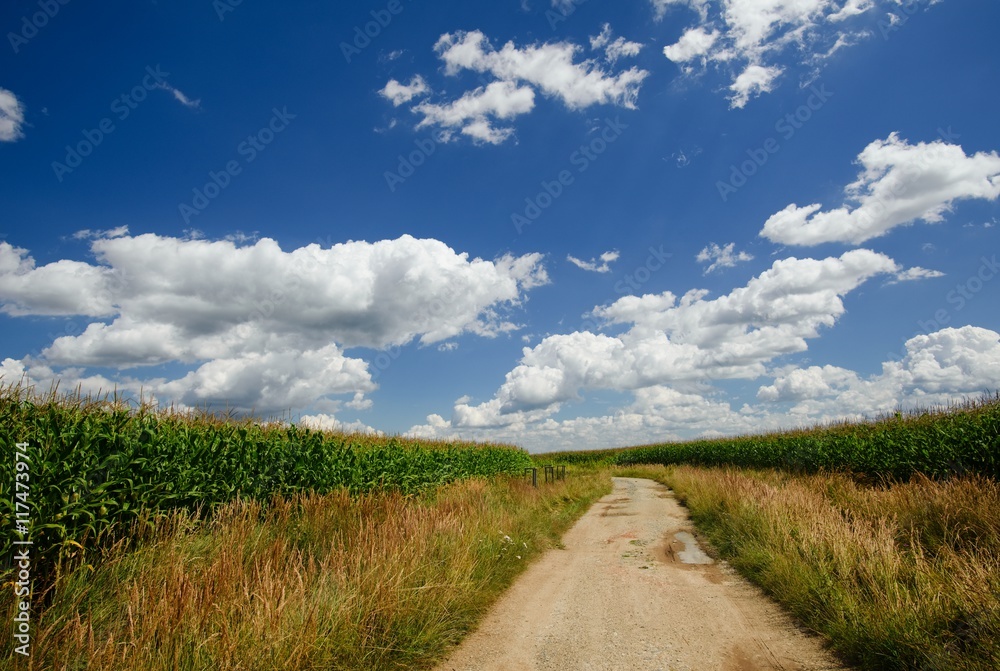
(561, 224)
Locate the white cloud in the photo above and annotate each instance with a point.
(261, 339)
(656, 414)
(549, 67)
(60, 288)
(614, 48)
(951, 361)
(518, 73)
(695, 42)
(722, 257)
(915, 273)
(399, 94)
(660, 7)
(671, 341)
(755, 41)
(11, 117)
(325, 422)
(180, 97)
(501, 100)
(68, 380)
(266, 382)
(607, 258)
(754, 80)
(852, 8)
(899, 183)
(804, 383)
(87, 234)
(939, 368)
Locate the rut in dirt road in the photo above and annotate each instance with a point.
(632, 591)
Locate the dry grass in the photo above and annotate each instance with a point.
(314, 582)
(898, 576)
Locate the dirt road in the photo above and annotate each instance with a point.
(631, 591)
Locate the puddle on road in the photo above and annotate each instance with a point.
(691, 552)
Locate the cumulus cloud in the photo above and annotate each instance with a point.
(747, 39)
(673, 340)
(11, 117)
(938, 368)
(899, 183)
(43, 379)
(694, 43)
(805, 383)
(471, 112)
(754, 80)
(265, 328)
(61, 288)
(275, 380)
(655, 414)
(399, 94)
(552, 69)
(326, 422)
(607, 258)
(722, 257)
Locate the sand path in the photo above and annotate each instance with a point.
(628, 593)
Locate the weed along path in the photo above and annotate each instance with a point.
(632, 591)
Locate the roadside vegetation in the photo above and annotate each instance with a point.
(170, 541)
(378, 580)
(167, 541)
(934, 442)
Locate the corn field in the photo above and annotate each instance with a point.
(954, 441)
(97, 467)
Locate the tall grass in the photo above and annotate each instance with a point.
(333, 581)
(936, 443)
(897, 576)
(98, 465)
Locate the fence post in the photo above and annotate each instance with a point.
(534, 476)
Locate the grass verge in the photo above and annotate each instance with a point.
(896, 576)
(376, 581)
